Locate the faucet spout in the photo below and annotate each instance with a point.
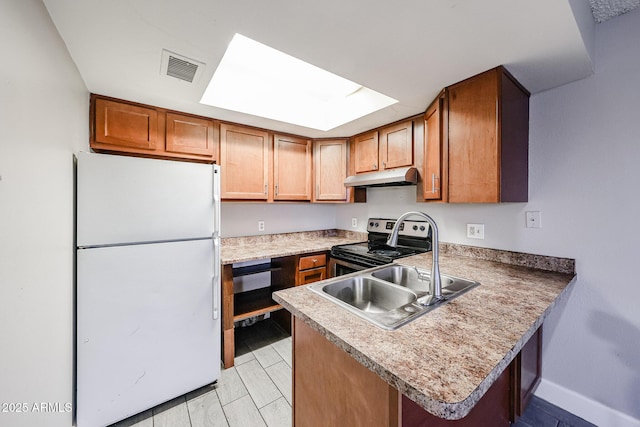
(435, 285)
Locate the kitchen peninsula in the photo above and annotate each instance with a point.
(449, 364)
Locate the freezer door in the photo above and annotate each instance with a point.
(146, 332)
(128, 199)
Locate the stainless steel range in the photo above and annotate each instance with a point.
(414, 238)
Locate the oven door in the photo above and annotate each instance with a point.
(340, 267)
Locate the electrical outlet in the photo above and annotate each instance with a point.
(475, 231)
(354, 222)
(534, 219)
(260, 225)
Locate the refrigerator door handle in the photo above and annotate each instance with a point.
(216, 243)
(215, 300)
(215, 281)
(216, 201)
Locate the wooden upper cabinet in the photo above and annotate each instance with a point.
(365, 156)
(387, 148)
(244, 162)
(292, 168)
(434, 183)
(330, 169)
(396, 145)
(191, 135)
(488, 130)
(125, 126)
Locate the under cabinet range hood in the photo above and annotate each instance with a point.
(386, 178)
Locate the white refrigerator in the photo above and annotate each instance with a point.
(148, 318)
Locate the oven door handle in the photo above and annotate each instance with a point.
(334, 262)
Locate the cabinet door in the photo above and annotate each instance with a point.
(396, 145)
(526, 371)
(330, 168)
(473, 140)
(492, 410)
(125, 127)
(190, 135)
(331, 388)
(366, 152)
(433, 182)
(244, 163)
(292, 168)
(310, 276)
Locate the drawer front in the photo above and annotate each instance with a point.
(312, 261)
(312, 275)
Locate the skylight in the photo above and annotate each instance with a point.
(256, 79)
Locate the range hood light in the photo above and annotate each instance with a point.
(387, 178)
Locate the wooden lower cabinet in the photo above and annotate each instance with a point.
(526, 371)
(310, 276)
(237, 306)
(311, 268)
(331, 388)
(491, 411)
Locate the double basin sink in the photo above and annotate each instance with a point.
(389, 296)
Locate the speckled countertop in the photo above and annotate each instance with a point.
(241, 249)
(447, 359)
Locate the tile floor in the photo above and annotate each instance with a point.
(256, 392)
(541, 413)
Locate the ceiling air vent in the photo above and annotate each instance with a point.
(180, 67)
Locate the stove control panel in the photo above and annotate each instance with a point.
(407, 228)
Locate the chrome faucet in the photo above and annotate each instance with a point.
(435, 285)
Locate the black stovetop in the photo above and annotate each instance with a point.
(412, 240)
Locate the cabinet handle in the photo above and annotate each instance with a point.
(384, 165)
(433, 183)
(375, 166)
(276, 189)
(314, 260)
(265, 189)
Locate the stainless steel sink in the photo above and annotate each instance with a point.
(418, 280)
(389, 296)
(369, 295)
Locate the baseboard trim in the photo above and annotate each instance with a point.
(583, 407)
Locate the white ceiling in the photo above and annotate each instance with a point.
(406, 49)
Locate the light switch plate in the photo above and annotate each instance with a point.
(354, 222)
